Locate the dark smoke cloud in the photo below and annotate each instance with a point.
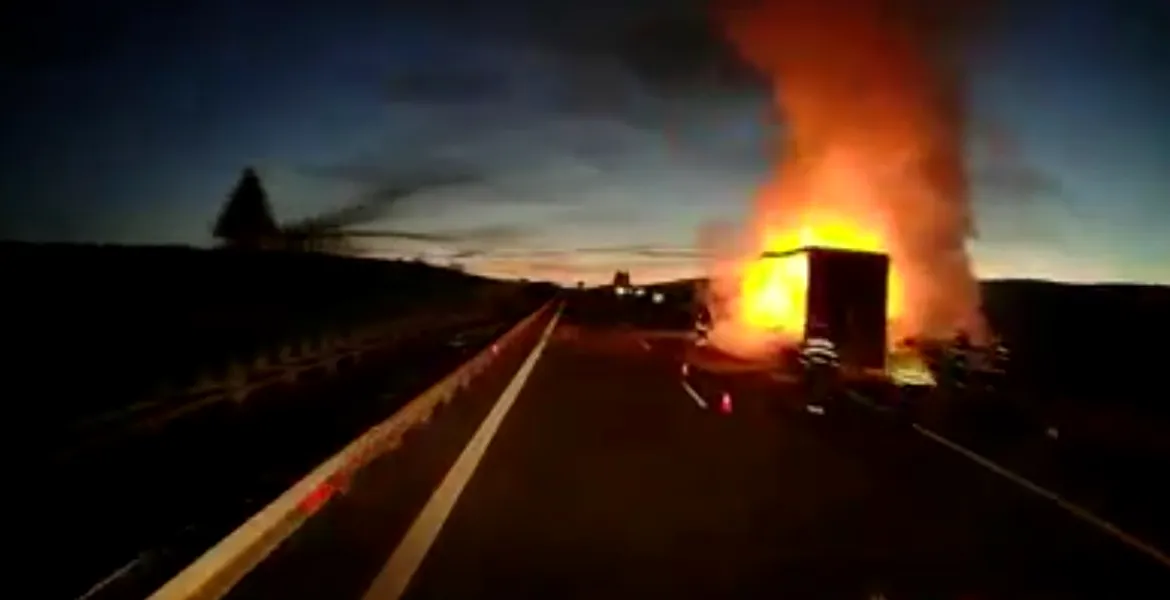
(383, 189)
(486, 234)
(1018, 182)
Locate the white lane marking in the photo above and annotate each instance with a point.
(694, 395)
(1075, 510)
(865, 401)
(645, 345)
(391, 582)
(99, 586)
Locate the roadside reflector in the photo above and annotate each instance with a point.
(495, 348)
(685, 368)
(725, 404)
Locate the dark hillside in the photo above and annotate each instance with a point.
(1086, 342)
(106, 325)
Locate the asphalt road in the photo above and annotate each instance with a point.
(608, 479)
(149, 500)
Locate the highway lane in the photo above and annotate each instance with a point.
(336, 553)
(607, 479)
(1109, 477)
(155, 497)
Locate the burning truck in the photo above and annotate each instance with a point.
(869, 177)
(847, 292)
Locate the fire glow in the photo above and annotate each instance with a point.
(871, 159)
(774, 291)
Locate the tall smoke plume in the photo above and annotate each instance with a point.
(870, 96)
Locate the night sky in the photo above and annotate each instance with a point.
(604, 134)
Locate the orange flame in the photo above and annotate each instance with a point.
(774, 291)
(871, 161)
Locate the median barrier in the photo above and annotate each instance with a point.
(215, 572)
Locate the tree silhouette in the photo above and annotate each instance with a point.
(246, 219)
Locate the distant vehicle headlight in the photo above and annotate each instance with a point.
(658, 297)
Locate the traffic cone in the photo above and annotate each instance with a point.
(725, 404)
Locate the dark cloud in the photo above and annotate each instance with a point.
(674, 52)
(485, 233)
(382, 187)
(632, 60)
(425, 173)
(643, 251)
(465, 254)
(599, 216)
(1018, 181)
(502, 249)
(1001, 166)
(553, 103)
(456, 85)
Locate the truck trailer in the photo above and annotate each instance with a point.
(847, 291)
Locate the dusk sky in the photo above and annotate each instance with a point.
(615, 125)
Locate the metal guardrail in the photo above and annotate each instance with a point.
(250, 378)
(215, 572)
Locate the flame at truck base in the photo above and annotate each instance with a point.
(774, 288)
(855, 293)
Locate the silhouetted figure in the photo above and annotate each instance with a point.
(818, 356)
(997, 358)
(958, 363)
(246, 221)
(1001, 357)
(703, 324)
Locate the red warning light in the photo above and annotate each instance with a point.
(318, 497)
(725, 404)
